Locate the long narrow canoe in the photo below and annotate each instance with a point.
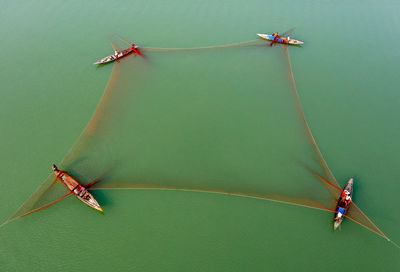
(283, 40)
(118, 55)
(77, 189)
(343, 204)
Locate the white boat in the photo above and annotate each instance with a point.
(283, 40)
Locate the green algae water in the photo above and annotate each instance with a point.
(347, 80)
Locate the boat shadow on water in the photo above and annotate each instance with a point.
(102, 198)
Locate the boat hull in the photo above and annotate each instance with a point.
(271, 38)
(338, 221)
(77, 189)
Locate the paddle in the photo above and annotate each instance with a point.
(113, 46)
(115, 50)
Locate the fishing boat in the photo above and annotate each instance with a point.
(343, 204)
(283, 40)
(77, 189)
(119, 54)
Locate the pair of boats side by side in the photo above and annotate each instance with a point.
(273, 38)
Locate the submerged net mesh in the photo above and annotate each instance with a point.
(223, 121)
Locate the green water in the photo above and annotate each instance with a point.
(50, 90)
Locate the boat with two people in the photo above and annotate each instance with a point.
(343, 204)
(276, 38)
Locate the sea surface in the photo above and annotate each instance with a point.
(347, 77)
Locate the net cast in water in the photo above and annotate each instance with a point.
(225, 121)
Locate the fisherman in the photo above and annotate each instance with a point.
(276, 36)
(347, 197)
(340, 212)
(80, 190)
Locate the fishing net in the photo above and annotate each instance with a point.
(223, 119)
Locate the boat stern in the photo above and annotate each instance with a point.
(336, 224)
(91, 201)
(99, 209)
(97, 206)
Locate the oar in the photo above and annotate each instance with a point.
(113, 46)
(124, 40)
(115, 49)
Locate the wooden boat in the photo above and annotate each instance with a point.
(77, 189)
(343, 204)
(119, 54)
(283, 40)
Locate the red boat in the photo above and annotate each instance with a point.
(119, 54)
(77, 189)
